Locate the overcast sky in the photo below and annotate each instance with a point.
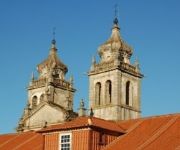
(151, 27)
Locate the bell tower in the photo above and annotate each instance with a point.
(115, 83)
(50, 96)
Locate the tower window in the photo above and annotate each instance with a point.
(41, 98)
(127, 92)
(98, 93)
(108, 91)
(34, 101)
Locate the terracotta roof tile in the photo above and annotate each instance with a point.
(84, 122)
(127, 124)
(6, 137)
(161, 132)
(21, 141)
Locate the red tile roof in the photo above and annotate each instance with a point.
(22, 141)
(84, 122)
(152, 133)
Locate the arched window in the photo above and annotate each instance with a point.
(108, 91)
(34, 101)
(127, 92)
(41, 98)
(98, 93)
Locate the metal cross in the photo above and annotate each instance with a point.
(54, 32)
(116, 10)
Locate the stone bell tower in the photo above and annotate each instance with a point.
(50, 96)
(115, 83)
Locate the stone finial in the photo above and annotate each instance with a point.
(93, 60)
(93, 63)
(82, 109)
(82, 103)
(71, 80)
(126, 58)
(32, 79)
(115, 21)
(20, 127)
(53, 42)
(91, 112)
(53, 49)
(44, 125)
(32, 76)
(136, 64)
(50, 76)
(89, 121)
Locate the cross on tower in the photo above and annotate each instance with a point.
(116, 11)
(54, 32)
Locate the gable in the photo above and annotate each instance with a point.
(45, 113)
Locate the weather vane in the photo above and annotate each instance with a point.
(54, 32)
(116, 14)
(116, 11)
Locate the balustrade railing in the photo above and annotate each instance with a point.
(104, 66)
(42, 82)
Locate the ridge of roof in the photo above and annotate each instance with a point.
(164, 115)
(148, 117)
(84, 122)
(126, 124)
(4, 134)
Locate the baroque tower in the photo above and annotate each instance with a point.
(50, 96)
(115, 83)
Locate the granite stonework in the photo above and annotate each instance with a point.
(114, 87)
(115, 83)
(50, 96)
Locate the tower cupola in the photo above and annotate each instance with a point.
(52, 64)
(115, 48)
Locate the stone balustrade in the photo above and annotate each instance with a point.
(104, 66)
(42, 82)
(38, 83)
(62, 83)
(110, 65)
(128, 67)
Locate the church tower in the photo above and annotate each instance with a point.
(50, 96)
(115, 83)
